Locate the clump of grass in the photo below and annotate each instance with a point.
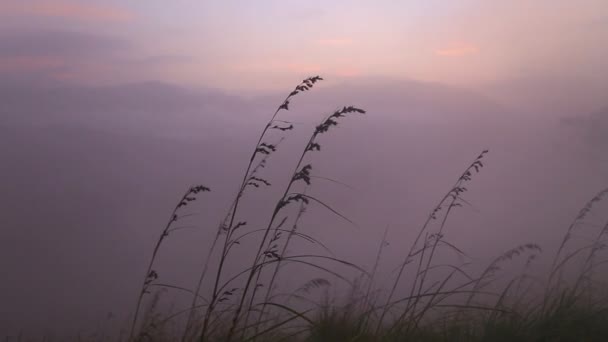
(228, 227)
(425, 253)
(151, 275)
(220, 302)
(439, 301)
(269, 250)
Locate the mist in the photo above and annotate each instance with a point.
(94, 159)
(91, 173)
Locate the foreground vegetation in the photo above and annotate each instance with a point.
(426, 300)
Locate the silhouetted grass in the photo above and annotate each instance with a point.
(439, 302)
(427, 300)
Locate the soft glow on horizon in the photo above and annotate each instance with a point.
(457, 50)
(228, 44)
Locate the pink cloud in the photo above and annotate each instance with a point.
(303, 68)
(86, 72)
(348, 72)
(457, 50)
(66, 9)
(276, 66)
(28, 64)
(335, 42)
(56, 68)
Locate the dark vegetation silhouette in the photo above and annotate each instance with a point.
(427, 300)
(442, 302)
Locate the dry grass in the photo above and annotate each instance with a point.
(427, 300)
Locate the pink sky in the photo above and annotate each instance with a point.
(271, 42)
(67, 10)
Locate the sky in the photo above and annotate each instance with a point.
(266, 44)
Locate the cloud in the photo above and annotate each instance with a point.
(37, 43)
(303, 68)
(335, 42)
(166, 60)
(599, 22)
(67, 10)
(277, 66)
(348, 72)
(457, 50)
(307, 14)
(30, 64)
(50, 54)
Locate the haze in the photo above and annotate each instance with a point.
(109, 110)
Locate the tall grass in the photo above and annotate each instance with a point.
(427, 300)
(151, 275)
